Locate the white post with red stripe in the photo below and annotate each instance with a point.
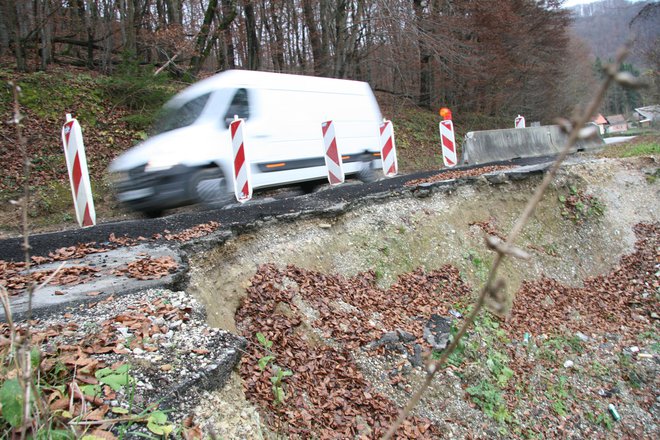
(520, 122)
(448, 143)
(333, 159)
(76, 162)
(242, 185)
(388, 149)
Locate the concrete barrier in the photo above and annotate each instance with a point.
(499, 145)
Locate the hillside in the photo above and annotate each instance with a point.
(115, 113)
(607, 25)
(336, 305)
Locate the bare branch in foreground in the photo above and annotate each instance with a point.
(490, 293)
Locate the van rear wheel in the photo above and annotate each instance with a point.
(209, 187)
(367, 174)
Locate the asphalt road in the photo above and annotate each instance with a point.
(235, 217)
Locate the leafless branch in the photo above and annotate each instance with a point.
(493, 286)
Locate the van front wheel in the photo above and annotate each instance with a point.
(209, 187)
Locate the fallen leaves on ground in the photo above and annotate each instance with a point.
(73, 364)
(191, 233)
(331, 396)
(148, 268)
(13, 275)
(317, 322)
(459, 174)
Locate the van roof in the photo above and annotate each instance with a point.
(271, 80)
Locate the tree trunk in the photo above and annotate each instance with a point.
(174, 12)
(17, 15)
(314, 37)
(425, 74)
(202, 37)
(253, 61)
(228, 7)
(45, 33)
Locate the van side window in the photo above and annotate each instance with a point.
(183, 116)
(239, 106)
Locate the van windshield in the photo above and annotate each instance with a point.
(173, 118)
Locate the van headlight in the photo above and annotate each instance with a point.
(160, 164)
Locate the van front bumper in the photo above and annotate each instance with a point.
(142, 190)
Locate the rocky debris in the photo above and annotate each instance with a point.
(156, 342)
(355, 368)
(437, 332)
(392, 340)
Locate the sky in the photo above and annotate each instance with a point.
(569, 3)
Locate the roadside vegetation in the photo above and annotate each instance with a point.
(57, 397)
(115, 112)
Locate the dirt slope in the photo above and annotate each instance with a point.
(323, 291)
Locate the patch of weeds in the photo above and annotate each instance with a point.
(598, 370)
(497, 364)
(547, 354)
(642, 149)
(457, 357)
(551, 249)
(561, 343)
(653, 177)
(481, 266)
(490, 400)
(558, 394)
(53, 198)
(278, 373)
(651, 338)
(602, 419)
(579, 207)
(628, 371)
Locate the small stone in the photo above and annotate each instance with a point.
(455, 313)
(569, 364)
(325, 225)
(655, 315)
(138, 351)
(638, 318)
(437, 332)
(166, 367)
(124, 331)
(582, 337)
(634, 349)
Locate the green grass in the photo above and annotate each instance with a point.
(489, 398)
(643, 145)
(559, 393)
(644, 149)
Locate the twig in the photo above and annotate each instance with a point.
(51, 276)
(493, 286)
(26, 193)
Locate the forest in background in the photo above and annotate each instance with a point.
(476, 56)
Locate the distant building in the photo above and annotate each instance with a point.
(649, 115)
(617, 124)
(601, 122)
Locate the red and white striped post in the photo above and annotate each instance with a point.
(447, 139)
(520, 122)
(242, 185)
(388, 149)
(76, 163)
(333, 160)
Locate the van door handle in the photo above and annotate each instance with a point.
(261, 136)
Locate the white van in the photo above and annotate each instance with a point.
(189, 159)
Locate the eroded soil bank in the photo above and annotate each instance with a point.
(429, 253)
